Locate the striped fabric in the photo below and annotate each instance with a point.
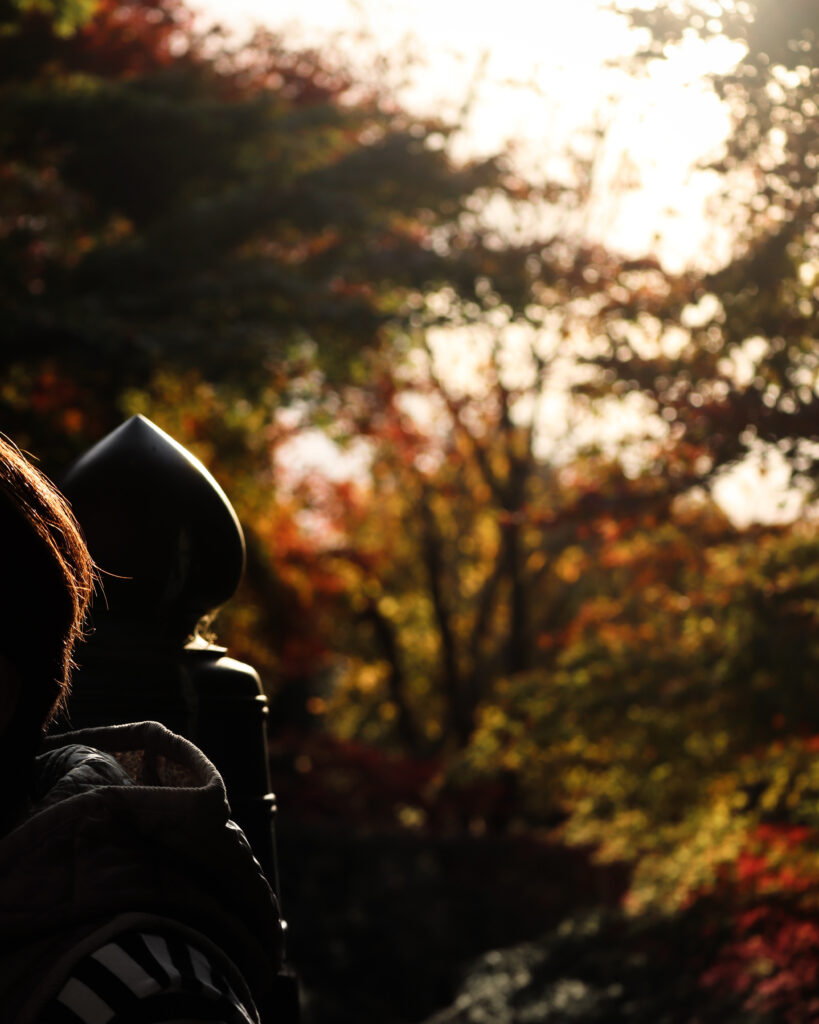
(147, 978)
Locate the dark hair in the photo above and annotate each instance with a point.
(46, 580)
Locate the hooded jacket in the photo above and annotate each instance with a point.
(128, 826)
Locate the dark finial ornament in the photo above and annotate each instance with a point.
(160, 528)
(171, 551)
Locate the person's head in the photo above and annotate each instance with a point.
(46, 579)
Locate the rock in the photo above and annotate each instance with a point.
(598, 967)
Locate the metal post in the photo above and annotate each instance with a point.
(172, 551)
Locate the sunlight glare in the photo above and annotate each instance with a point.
(536, 80)
(533, 78)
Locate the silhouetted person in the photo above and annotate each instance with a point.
(126, 893)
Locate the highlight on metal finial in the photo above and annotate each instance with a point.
(160, 528)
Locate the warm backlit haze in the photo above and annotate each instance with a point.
(526, 676)
(532, 79)
(535, 80)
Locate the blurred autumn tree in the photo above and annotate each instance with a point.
(207, 231)
(677, 727)
(493, 550)
(242, 241)
(245, 243)
(177, 201)
(745, 377)
(725, 364)
(591, 629)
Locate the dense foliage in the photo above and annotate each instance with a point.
(746, 377)
(177, 202)
(523, 611)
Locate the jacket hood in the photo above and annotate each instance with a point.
(135, 819)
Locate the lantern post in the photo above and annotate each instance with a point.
(171, 552)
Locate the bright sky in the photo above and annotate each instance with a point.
(531, 72)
